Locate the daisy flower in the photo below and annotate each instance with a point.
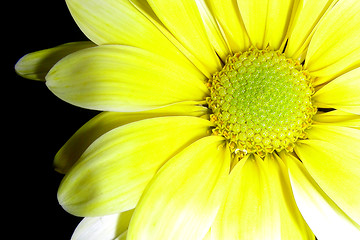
(221, 119)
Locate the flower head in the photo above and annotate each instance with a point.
(221, 119)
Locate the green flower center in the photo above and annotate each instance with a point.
(261, 102)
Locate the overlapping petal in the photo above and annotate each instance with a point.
(259, 204)
(183, 20)
(323, 216)
(112, 173)
(213, 31)
(254, 14)
(277, 22)
(342, 93)
(338, 118)
(345, 138)
(336, 172)
(266, 21)
(305, 17)
(119, 22)
(106, 121)
(183, 198)
(240, 217)
(123, 78)
(291, 223)
(37, 64)
(337, 39)
(227, 15)
(144, 8)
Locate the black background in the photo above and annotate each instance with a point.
(35, 123)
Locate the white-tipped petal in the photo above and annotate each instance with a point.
(324, 217)
(336, 171)
(105, 228)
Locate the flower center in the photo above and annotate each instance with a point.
(261, 102)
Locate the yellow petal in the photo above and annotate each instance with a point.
(338, 118)
(183, 198)
(227, 15)
(266, 21)
(304, 20)
(336, 171)
(123, 78)
(105, 227)
(254, 14)
(148, 12)
(241, 216)
(213, 31)
(259, 204)
(183, 20)
(341, 93)
(277, 22)
(112, 173)
(336, 38)
(118, 22)
(324, 217)
(106, 121)
(36, 65)
(345, 138)
(286, 212)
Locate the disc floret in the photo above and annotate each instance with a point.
(261, 102)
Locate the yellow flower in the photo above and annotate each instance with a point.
(221, 119)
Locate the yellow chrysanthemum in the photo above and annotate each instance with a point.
(222, 119)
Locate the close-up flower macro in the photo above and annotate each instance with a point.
(216, 119)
